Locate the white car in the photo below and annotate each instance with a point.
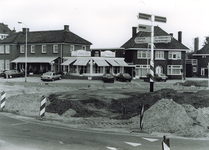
(51, 76)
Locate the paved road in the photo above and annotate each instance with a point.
(22, 133)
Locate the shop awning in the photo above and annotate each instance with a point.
(101, 62)
(22, 60)
(112, 62)
(68, 61)
(81, 62)
(121, 62)
(34, 59)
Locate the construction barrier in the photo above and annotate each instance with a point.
(43, 106)
(3, 100)
(166, 143)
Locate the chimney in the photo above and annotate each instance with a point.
(24, 30)
(134, 31)
(180, 36)
(196, 45)
(171, 34)
(66, 27)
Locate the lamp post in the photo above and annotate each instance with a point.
(25, 51)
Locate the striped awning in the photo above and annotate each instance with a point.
(112, 62)
(101, 62)
(121, 62)
(68, 61)
(34, 59)
(81, 62)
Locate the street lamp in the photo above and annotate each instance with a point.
(25, 51)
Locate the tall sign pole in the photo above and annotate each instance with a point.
(151, 18)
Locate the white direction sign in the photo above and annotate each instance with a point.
(157, 39)
(112, 148)
(133, 144)
(146, 28)
(151, 140)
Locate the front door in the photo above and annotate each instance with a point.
(159, 69)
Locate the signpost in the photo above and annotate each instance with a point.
(152, 18)
(157, 39)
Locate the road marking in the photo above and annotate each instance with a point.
(151, 140)
(17, 124)
(133, 144)
(112, 148)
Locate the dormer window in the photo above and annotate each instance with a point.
(83, 47)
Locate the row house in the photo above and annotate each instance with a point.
(5, 31)
(169, 53)
(202, 57)
(46, 50)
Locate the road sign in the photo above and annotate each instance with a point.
(157, 39)
(146, 28)
(160, 19)
(162, 39)
(140, 40)
(144, 16)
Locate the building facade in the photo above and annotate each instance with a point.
(169, 53)
(44, 52)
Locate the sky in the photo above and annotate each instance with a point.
(108, 23)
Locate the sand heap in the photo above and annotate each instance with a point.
(168, 116)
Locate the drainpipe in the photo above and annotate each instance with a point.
(61, 68)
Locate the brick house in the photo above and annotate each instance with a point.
(4, 31)
(169, 56)
(202, 57)
(45, 49)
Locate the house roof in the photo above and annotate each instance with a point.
(4, 29)
(54, 36)
(174, 44)
(204, 50)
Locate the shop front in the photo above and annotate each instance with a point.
(85, 65)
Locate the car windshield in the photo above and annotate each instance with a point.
(48, 73)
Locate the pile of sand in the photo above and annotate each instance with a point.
(168, 116)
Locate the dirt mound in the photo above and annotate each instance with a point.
(166, 116)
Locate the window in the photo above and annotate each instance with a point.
(7, 49)
(97, 69)
(55, 49)
(2, 49)
(174, 69)
(83, 47)
(174, 55)
(194, 69)
(22, 48)
(72, 48)
(7, 64)
(116, 70)
(1, 64)
(194, 61)
(203, 56)
(96, 54)
(143, 54)
(43, 48)
(159, 54)
(32, 48)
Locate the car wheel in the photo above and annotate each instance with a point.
(129, 80)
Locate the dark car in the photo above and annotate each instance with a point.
(123, 77)
(108, 77)
(13, 73)
(51, 76)
(2, 72)
(160, 77)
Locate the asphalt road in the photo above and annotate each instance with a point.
(23, 133)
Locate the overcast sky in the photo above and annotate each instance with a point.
(108, 23)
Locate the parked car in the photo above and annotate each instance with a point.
(160, 77)
(108, 77)
(123, 77)
(2, 72)
(12, 73)
(51, 76)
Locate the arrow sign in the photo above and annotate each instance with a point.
(160, 19)
(133, 144)
(151, 140)
(144, 16)
(112, 148)
(146, 28)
